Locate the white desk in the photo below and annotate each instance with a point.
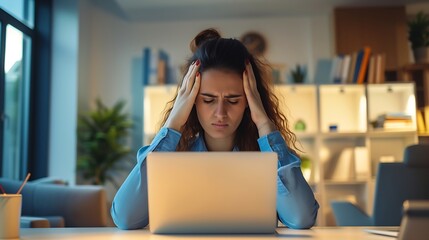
(337, 233)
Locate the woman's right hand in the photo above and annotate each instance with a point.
(185, 98)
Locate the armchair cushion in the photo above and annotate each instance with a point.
(34, 222)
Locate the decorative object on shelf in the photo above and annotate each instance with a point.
(333, 127)
(418, 34)
(255, 43)
(298, 74)
(101, 142)
(300, 125)
(306, 167)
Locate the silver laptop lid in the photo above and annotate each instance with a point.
(212, 192)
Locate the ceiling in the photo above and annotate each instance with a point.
(167, 10)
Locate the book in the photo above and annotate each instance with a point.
(146, 66)
(421, 125)
(335, 76)
(394, 121)
(323, 71)
(352, 68)
(345, 66)
(426, 117)
(364, 65)
(150, 66)
(380, 68)
(371, 69)
(358, 65)
(163, 62)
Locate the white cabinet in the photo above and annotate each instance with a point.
(334, 125)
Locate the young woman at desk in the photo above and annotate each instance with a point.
(224, 103)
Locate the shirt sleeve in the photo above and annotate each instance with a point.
(296, 205)
(129, 207)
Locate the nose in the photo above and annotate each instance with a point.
(220, 111)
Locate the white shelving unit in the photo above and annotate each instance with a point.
(338, 135)
(344, 146)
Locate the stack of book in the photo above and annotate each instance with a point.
(394, 121)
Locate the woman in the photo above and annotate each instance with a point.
(224, 103)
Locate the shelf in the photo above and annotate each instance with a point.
(349, 182)
(305, 135)
(331, 135)
(391, 132)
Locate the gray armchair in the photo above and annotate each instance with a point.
(50, 205)
(395, 183)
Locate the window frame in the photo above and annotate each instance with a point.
(35, 159)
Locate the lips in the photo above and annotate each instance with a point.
(220, 125)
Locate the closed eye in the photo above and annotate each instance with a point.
(208, 100)
(233, 101)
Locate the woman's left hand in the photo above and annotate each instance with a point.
(257, 111)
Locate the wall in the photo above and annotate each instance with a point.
(62, 140)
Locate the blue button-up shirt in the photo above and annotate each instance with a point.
(296, 205)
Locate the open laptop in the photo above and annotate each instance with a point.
(212, 192)
(414, 223)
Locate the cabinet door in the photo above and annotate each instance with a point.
(342, 108)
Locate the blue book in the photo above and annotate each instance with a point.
(358, 65)
(146, 66)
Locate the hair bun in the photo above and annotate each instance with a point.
(202, 37)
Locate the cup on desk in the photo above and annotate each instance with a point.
(10, 213)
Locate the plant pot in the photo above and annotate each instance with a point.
(421, 55)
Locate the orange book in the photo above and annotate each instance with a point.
(364, 65)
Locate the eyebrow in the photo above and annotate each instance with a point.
(229, 96)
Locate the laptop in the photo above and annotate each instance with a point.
(414, 223)
(212, 192)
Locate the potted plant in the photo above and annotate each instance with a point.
(298, 74)
(418, 34)
(101, 142)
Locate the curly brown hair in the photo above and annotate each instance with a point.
(229, 54)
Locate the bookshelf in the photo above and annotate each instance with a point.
(419, 75)
(344, 146)
(383, 29)
(338, 137)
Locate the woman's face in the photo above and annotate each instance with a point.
(220, 104)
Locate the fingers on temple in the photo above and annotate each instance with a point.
(246, 82)
(192, 75)
(250, 77)
(196, 86)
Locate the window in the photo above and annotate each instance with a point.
(16, 38)
(16, 85)
(23, 10)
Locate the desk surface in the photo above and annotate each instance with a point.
(334, 233)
